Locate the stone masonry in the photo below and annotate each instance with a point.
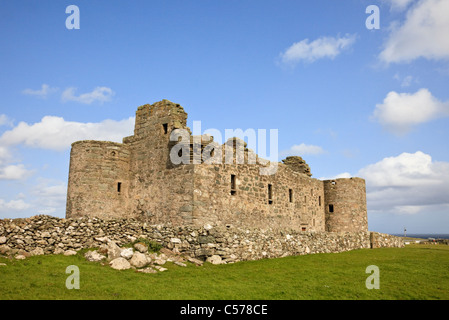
(226, 244)
(203, 210)
(136, 179)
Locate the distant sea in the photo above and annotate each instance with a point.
(425, 235)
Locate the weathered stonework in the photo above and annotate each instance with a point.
(136, 179)
(218, 211)
(345, 199)
(51, 235)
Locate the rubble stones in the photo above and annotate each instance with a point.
(160, 261)
(94, 256)
(181, 264)
(141, 247)
(114, 250)
(195, 245)
(4, 249)
(139, 260)
(195, 261)
(147, 270)
(120, 263)
(127, 253)
(161, 269)
(215, 259)
(37, 252)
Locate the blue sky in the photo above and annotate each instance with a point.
(351, 101)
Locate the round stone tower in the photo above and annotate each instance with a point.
(98, 179)
(345, 205)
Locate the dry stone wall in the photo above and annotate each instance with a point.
(51, 235)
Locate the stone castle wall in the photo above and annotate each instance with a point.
(49, 235)
(159, 192)
(137, 179)
(132, 179)
(294, 201)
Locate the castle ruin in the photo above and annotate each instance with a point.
(137, 179)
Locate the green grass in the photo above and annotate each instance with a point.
(414, 272)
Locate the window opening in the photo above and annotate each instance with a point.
(270, 194)
(233, 188)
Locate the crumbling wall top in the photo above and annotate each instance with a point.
(297, 164)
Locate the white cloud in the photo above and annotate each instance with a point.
(100, 94)
(5, 121)
(46, 197)
(399, 112)
(324, 47)
(398, 5)
(42, 93)
(405, 170)
(47, 211)
(406, 81)
(13, 205)
(10, 171)
(55, 133)
(5, 155)
(303, 149)
(54, 191)
(50, 198)
(407, 183)
(14, 172)
(424, 33)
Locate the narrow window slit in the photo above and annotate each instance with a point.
(233, 188)
(270, 194)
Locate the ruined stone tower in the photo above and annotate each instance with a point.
(345, 205)
(137, 179)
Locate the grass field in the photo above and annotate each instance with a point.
(414, 272)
